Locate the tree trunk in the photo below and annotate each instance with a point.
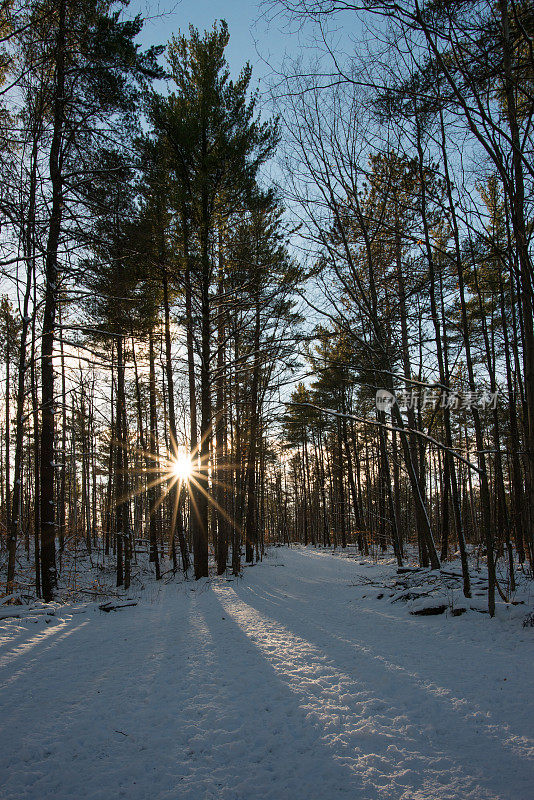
(175, 495)
(251, 531)
(47, 504)
(154, 553)
(220, 430)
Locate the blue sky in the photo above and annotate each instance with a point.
(251, 38)
(258, 35)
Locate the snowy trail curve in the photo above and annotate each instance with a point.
(286, 684)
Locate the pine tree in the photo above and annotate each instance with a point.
(217, 145)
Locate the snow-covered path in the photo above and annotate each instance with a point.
(286, 684)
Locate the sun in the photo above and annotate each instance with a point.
(182, 466)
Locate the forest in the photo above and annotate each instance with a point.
(246, 321)
(152, 316)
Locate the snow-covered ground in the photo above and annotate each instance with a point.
(294, 682)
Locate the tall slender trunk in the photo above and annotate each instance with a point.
(86, 523)
(484, 486)
(175, 494)
(251, 530)
(47, 504)
(238, 471)
(521, 236)
(201, 543)
(220, 427)
(111, 460)
(8, 424)
(194, 519)
(121, 523)
(62, 515)
(443, 365)
(14, 521)
(154, 553)
(389, 494)
(502, 515)
(36, 448)
(517, 477)
(350, 473)
(401, 288)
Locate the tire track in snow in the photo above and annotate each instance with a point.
(373, 737)
(521, 746)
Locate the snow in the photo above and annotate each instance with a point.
(294, 682)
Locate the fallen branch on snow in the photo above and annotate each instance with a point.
(115, 607)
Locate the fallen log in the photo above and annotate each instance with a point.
(428, 611)
(115, 606)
